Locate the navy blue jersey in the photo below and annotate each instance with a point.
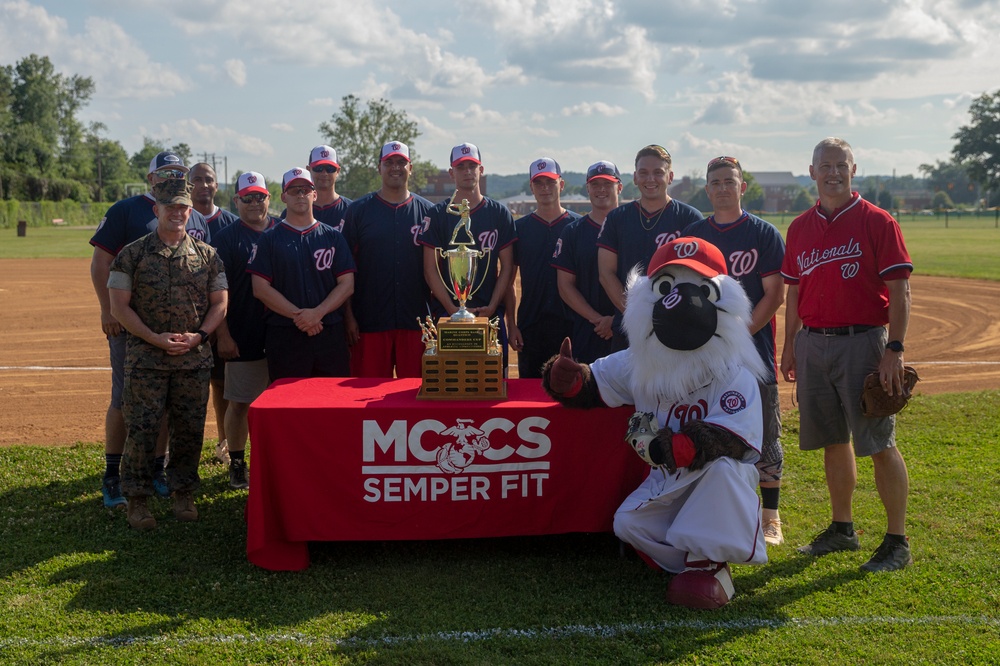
(331, 214)
(219, 220)
(389, 289)
(245, 316)
(754, 249)
(303, 265)
(130, 219)
(576, 253)
(492, 229)
(634, 235)
(536, 244)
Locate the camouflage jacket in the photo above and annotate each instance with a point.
(170, 293)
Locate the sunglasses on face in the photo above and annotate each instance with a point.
(253, 198)
(300, 191)
(170, 174)
(324, 168)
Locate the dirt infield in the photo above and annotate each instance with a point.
(55, 381)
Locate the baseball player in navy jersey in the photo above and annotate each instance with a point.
(303, 272)
(492, 229)
(575, 261)
(241, 334)
(753, 250)
(126, 221)
(633, 231)
(542, 318)
(204, 186)
(390, 294)
(329, 206)
(847, 271)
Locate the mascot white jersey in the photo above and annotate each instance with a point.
(691, 370)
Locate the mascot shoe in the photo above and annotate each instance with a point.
(703, 585)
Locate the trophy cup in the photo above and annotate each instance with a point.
(461, 358)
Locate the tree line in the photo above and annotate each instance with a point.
(48, 154)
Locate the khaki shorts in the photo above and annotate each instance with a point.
(245, 380)
(830, 371)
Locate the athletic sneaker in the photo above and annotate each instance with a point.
(111, 489)
(160, 486)
(222, 452)
(830, 541)
(889, 556)
(772, 532)
(238, 477)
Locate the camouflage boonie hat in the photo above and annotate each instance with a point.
(173, 191)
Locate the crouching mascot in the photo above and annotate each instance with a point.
(691, 371)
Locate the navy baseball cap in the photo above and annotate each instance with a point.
(465, 151)
(166, 160)
(603, 169)
(394, 148)
(296, 174)
(545, 166)
(323, 155)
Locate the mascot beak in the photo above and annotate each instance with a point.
(686, 318)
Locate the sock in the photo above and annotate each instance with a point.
(844, 528)
(237, 455)
(769, 497)
(158, 465)
(896, 538)
(112, 465)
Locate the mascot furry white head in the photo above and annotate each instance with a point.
(687, 322)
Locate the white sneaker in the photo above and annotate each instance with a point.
(222, 452)
(772, 532)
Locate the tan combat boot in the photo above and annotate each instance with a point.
(184, 509)
(138, 514)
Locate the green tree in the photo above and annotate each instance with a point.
(753, 198)
(978, 146)
(952, 177)
(941, 201)
(803, 200)
(358, 133)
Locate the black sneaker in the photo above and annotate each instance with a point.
(238, 476)
(889, 556)
(830, 541)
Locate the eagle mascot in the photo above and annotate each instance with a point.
(691, 371)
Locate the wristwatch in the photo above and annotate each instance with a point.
(895, 346)
(204, 336)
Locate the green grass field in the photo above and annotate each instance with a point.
(968, 248)
(77, 586)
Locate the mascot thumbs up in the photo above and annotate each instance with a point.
(691, 371)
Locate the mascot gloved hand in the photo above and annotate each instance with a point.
(691, 372)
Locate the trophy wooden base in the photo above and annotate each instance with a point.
(462, 377)
(465, 363)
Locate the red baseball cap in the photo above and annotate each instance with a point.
(697, 254)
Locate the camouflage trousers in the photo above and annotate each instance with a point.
(149, 394)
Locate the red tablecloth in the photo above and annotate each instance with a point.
(363, 459)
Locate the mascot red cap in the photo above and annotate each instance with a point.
(695, 253)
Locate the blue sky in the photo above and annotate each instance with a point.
(575, 80)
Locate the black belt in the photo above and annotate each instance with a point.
(840, 330)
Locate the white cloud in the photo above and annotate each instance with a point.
(592, 108)
(322, 101)
(119, 66)
(282, 127)
(224, 140)
(236, 69)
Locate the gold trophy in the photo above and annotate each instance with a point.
(462, 359)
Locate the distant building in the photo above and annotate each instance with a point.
(780, 189)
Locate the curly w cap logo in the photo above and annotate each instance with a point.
(324, 153)
(686, 250)
(732, 402)
(251, 179)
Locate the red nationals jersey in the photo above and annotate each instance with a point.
(840, 264)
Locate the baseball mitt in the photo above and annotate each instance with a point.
(875, 402)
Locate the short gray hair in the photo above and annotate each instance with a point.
(832, 142)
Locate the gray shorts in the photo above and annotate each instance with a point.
(772, 456)
(245, 380)
(830, 371)
(117, 346)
